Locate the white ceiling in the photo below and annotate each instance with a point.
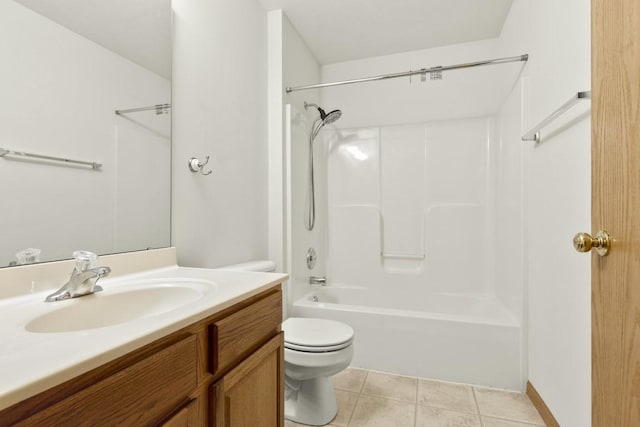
(341, 30)
(139, 30)
(334, 30)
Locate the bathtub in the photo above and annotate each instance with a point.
(458, 338)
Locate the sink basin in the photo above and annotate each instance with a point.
(119, 305)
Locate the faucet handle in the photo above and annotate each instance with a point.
(84, 260)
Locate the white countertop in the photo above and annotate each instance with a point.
(32, 362)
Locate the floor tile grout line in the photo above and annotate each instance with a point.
(449, 409)
(359, 393)
(353, 411)
(475, 399)
(389, 398)
(526, 423)
(364, 380)
(415, 406)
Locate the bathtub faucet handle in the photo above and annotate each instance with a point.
(318, 280)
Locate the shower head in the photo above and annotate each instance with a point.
(326, 118)
(318, 123)
(331, 117)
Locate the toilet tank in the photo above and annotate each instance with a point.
(258, 265)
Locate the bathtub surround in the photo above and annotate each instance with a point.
(409, 181)
(402, 200)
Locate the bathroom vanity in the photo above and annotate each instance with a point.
(216, 361)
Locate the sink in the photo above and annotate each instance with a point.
(124, 303)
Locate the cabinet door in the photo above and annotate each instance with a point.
(252, 394)
(185, 417)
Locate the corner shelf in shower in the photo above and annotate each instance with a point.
(402, 256)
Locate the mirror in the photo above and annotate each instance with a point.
(68, 66)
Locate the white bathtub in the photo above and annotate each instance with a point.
(468, 339)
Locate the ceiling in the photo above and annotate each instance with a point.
(334, 30)
(341, 30)
(139, 30)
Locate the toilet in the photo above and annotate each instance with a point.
(314, 351)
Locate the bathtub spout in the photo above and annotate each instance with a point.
(318, 280)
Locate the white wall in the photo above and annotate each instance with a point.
(59, 92)
(300, 64)
(290, 60)
(461, 93)
(277, 210)
(220, 110)
(555, 197)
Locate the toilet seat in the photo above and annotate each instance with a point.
(316, 335)
(309, 349)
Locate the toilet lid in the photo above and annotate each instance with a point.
(307, 349)
(316, 334)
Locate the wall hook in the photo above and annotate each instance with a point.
(195, 165)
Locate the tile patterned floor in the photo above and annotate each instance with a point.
(375, 399)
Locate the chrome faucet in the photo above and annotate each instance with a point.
(83, 278)
(318, 280)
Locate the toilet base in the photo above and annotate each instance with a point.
(311, 402)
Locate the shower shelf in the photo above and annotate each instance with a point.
(402, 256)
(534, 133)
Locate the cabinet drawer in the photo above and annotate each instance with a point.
(139, 395)
(237, 335)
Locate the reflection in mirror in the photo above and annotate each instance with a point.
(69, 65)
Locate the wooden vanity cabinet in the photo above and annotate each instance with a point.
(251, 394)
(225, 370)
(251, 391)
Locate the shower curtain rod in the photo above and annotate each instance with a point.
(423, 71)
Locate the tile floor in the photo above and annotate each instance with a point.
(375, 399)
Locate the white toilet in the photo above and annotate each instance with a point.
(315, 350)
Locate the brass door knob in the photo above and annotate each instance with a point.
(583, 242)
